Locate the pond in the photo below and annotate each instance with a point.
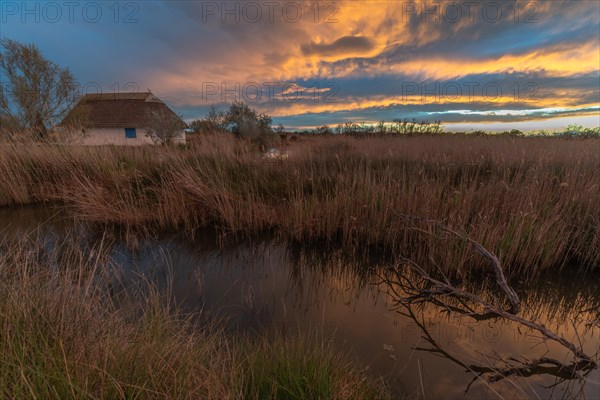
(422, 350)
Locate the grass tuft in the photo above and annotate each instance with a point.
(70, 329)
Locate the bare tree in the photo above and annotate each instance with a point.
(213, 122)
(37, 92)
(245, 122)
(164, 126)
(239, 119)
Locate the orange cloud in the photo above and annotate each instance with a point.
(381, 38)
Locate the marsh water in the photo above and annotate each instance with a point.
(269, 286)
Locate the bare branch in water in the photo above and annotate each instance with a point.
(420, 287)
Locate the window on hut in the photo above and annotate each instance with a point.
(130, 133)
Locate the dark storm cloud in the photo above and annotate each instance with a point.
(343, 45)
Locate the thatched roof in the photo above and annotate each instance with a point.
(118, 110)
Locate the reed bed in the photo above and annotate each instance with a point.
(71, 328)
(534, 202)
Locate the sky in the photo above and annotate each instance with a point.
(471, 64)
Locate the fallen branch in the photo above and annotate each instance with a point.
(513, 299)
(490, 310)
(434, 290)
(524, 368)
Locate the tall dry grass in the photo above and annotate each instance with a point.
(535, 202)
(69, 330)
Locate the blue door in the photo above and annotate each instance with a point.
(130, 133)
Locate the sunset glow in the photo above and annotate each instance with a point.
(501, 61)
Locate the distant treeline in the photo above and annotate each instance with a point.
(405, 127)
(244, 121)
(396, 127)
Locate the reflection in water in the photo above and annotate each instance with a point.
(490, 366)
(423, 350)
